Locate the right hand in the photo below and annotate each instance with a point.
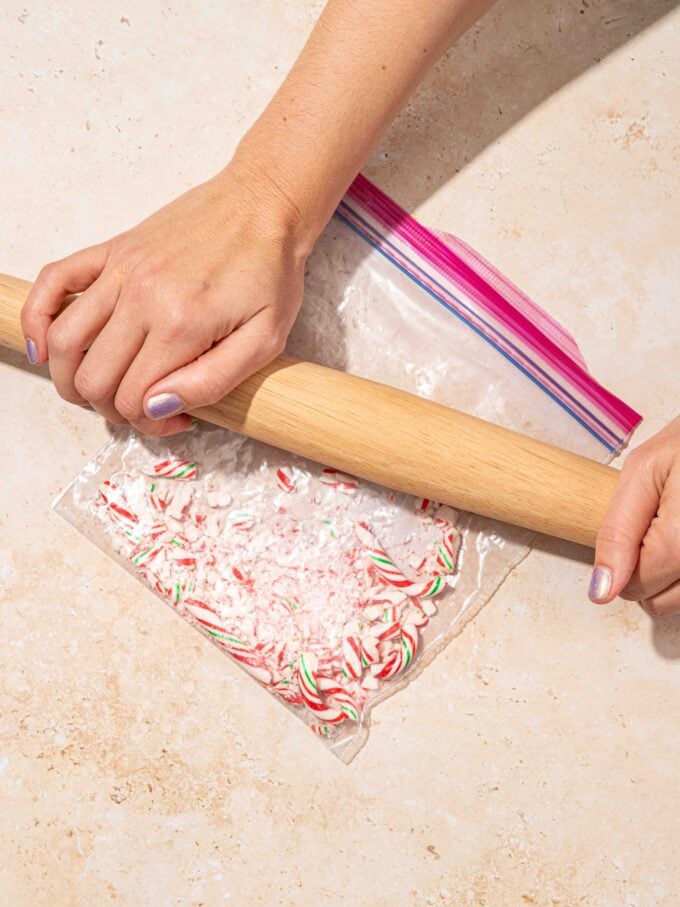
(638, 545)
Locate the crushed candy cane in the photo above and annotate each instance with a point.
(307, 600)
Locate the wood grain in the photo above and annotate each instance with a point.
(394, 438)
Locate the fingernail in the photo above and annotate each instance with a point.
(31, 351)
(600, 584)
(163, 405)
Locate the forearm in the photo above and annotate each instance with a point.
(359, 66)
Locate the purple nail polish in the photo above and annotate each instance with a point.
(600, 584)
(161, 406)
(31, 351)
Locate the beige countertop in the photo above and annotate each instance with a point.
(534, 762)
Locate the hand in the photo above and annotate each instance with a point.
(177, 311)
(638, 545)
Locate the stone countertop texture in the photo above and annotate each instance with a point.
(536, 760)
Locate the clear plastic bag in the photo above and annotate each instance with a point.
(329, 591)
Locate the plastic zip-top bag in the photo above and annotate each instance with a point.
(327, 590)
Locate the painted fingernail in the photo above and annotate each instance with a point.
(163, 405)
(32, 351)
(600, 584)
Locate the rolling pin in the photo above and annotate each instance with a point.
(399, 440)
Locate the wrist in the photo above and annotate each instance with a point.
(267, 202)
(301, 200)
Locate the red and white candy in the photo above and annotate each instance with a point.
(173, 468)
(284, 479)
(316, 648)
(338, 480)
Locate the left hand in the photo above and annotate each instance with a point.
(638, 545)
(177, 311)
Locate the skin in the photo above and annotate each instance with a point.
(639, 540)
(178, 310)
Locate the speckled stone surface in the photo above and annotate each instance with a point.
(536, 761)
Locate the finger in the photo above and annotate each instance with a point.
(162, 428)
(55, 282)
(107, 360)
(74, 331)
(219, 370)
(162, 354)
(664, 603)
(658, 566)
(630, 511)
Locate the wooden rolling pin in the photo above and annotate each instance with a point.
(396, 439)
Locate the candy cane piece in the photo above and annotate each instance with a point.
(155, 499)
(340, 696)
(409, 644)
(173, 468)
(288, 691)
(389, 594)
(427, 607)
(145, 557)
(309, 690)
(114, 499)
(242, 577)
(351, 651)
(218, 497)
(339, 480)
(418, 618)
(370, 682)
(369, 650)
(389, 570)
(237, 648)
(284, 480)
(426, 589)
(373, 612)
(447, 551)
(180, 502)
(379, 557)
(445, 515)
(182, 557)
(383, 632)
(240, 520)
(423, 506)
(390, 667)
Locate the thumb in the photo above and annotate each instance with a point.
(631, 509)
(218, 371)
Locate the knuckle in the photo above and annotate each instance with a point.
(147, 274)
(209, 388)
(89, 387)
(666, 541)
(279, 345)
(120, 264)
(137, 283)
(48, 272)
(639, 462)
(274, 342)
(69, 394)
(60, 340)
(633, 458)
(129, 405)
(177, 323)
(614, 536)
(633, 592)
(654, 608)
